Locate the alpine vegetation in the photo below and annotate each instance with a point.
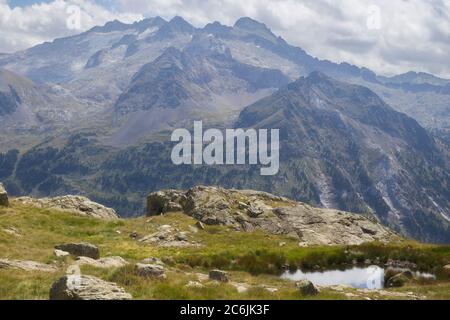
(237, 147)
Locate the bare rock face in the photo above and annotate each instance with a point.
(26, 265)
(81, 287)
(80, 250)
(73, 204)
(3, 196)
(247, 210)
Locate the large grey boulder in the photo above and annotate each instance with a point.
(247, 210)
(81, 287)
(72, 204)
(3, 196)
(26, 265)
(80, 250)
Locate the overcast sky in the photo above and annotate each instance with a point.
(388, 36)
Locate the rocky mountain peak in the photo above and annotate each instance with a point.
(254, 28)
(149, 23)
(112, 26)
(250, 24)
(217, 28)
(179, 24)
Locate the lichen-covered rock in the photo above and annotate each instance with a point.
(168, 237)
(307, 288)
(104, 263)
(247, 210)
(4, 201)
(73, 204)
(81, 287)
(153, 260)
(26, 265)
(80, 250)
(60, 253)
(219, 275)
(150, 270)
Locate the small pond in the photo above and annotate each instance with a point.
(362, 278)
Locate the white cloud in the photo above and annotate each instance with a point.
(23, 27)
(413, 34)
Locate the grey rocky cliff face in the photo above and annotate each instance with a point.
(74, 204)
(247, 210)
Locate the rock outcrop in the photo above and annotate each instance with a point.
(3, 196)
(80, 250)
(247, 210)
(26, 265)
(73, 204)
(81, 287)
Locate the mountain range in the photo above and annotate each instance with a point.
(92, 113)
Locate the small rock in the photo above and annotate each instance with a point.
(219, 275)
(271, 290)
(202, 277)
(307, 288)
(282, 244)
(200, 225)
(165, 228)
(254, 212)
(60, 253)
(26, 265)
(12, 231)
(134, 235)
(182, 236)
(242, 206)
(303, 244)
(447, 267)
(194, 284)
(152, 261)
(241, 288)
(193, 229)
(3, 196)
(80, 250)
(81, 287)
(150, 270)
